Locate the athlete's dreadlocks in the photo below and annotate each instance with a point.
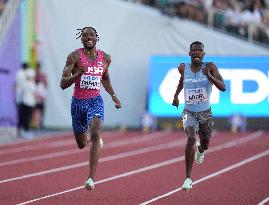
(79, 34)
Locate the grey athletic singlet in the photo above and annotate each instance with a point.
(197, 89)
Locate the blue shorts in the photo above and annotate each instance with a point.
(83, 110)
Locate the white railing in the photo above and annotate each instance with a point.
(6, 18)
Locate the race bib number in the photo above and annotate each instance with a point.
(90, 82)
(196, 95)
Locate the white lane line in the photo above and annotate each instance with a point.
(104, 159)
(120, 143)
(154, 166)
(66, 142)
(264, 201)
(37, 146)
(138, 139)
(46, 137)
(22, 142)
(234, 166)
(24, 145)
(58, 143)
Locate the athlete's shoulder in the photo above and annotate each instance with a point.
(74, 53)
(72, 57)
(181, 65)
(211, 65)
(181, 68)
(106, 57)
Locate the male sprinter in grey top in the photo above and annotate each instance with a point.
(197, 79)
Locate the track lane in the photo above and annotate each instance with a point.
(52, 144)
(233, 185)
(76, 176)
(81, 156)
(213, 161)
(154, 156)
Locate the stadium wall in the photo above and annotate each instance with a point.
(131, 34)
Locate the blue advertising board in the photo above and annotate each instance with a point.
(246, 79)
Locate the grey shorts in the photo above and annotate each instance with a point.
(202, 122)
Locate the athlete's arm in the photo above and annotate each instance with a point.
(180, 84)
(213, 75)
(69, 76)
(107, 83)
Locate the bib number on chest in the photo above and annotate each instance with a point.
(196, 95)
(90, 82)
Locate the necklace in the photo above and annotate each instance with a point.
(92, 55)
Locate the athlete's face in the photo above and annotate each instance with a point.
(197, 53)
(88, 38)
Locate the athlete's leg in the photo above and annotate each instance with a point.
(80, 123)
(82, 140)
(95, 129)
(201, 147)
(189, 157)
(205, 131)
(87, 128)
(204, 143)
(190, 125)
(189, 150)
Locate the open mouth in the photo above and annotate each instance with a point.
(89, 43)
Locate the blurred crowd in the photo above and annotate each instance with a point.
(30, 91)
(239, 17)
(244, 18)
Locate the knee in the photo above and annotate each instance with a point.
(191, 140)
(81, 145)
(95, 133)
(81, 141)
(95, 137)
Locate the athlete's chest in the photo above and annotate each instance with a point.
(93, 68)
(195, 79)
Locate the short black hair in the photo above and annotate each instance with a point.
(196, 42)
(79, 34)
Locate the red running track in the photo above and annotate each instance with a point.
(136, 168)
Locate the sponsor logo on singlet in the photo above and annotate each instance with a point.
(94, 70)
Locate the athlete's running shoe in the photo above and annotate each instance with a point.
(89, 184)
(199, 157)
(187, 184)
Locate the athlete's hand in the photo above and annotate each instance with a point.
(206, 70)
(175, 101)
(80, 71)
(116, 101)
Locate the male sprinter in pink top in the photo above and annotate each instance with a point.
(87, 67)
